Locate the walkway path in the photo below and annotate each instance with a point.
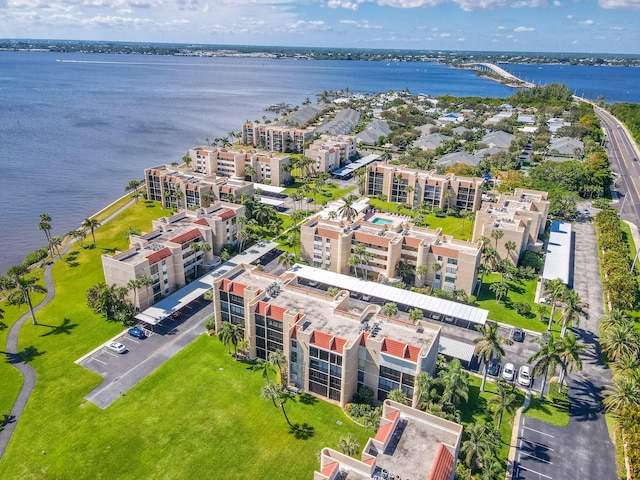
(14, 358)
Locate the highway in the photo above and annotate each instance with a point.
(625, 163)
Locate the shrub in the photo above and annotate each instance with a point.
(531, 259)
(523, 309)
(364, 395)
(35, 256)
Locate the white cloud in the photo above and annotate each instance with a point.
(501, 27)
(616, 27)
(569, 17)
(344, 4)
(364, 24)
(587, 22)
(523, 29)
(635, 4)
(557, 4)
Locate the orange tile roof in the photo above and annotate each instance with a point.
(363, 339)
(443, 464)
(384, 432)
(327, 341)
(187, 236)
(262, 308)
(393, 416)
(330, 469)
(237, 288)
(201, 221)
(412, 241)
(226, 215)
(444, 251)
(276, 312)
(372, 239)
(400, 349)
(327, 233)
(158, 255)
(294, 332)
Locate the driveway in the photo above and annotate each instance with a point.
(583, 448)
(122, 371)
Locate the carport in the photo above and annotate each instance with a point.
(455, 349)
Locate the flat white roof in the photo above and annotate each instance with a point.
(174, 302)
(456, 349)
(271, 201)
(443, 307)
(557, 262)
(268, 188)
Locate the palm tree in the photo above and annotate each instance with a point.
(554, 291)
(510, 245)
(347, 209)
(242, 236)
(489, 346)
(136, 283)
(570, 351)
(23, 287)
(620, 341)
(264, 368)
(287, 260)
(481, 443)
(349, 445)
(390, 309)
(489, 254)
(625, 366)
(272, 391)
(613, 318)
(497, 234)
(456, 383)
(45, 226)
(423, 384)
(421, 271)
(500, 289)
(354, 262)
(179, 195)
(573, 308)
(622, 394)
(504, 400)
(91, 224)
(467, 215)
(278, 359)
(416, 314)
(397, 395)
(546, 359)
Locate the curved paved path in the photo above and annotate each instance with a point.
(14, 358)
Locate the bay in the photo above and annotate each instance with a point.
(75, 128)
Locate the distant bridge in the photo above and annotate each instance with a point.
(496, 70)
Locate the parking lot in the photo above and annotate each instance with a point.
(536, 454)
(121, 371)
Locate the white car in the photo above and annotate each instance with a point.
(509, 371)
(117, 347)
(524, 376)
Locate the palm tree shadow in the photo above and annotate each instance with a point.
(29, 353)
(6, 420)
(302, 432)
(65, 328)
(307, 399)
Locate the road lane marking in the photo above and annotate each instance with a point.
(634, 186)
(109, 353)
(520, 467)
(538, 444)
(538, 431)
(131, 340)
(104, 363)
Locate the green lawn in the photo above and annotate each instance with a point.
(328, 193)
(476, 410)
(520, 291)
(547, 411)
(187, 420)
(450, 225)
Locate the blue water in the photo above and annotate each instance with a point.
(615, 84)
(74, 132)
(381, 221)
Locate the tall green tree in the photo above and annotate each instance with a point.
(573, 309)
(620, 341)
(349, 445)
(554, 291)
(546, 359)
(272, 391)
(622, 394)
(91, 224)
(497, 234)
(456, 383)
(570, 351)
(265, 368)
(279, 360)
(504, 400)
(489, 346)
(347, 210)
(22, 287)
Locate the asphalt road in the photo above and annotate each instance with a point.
(622, 150)
(583, 448)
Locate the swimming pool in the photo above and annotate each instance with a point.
(381, 221)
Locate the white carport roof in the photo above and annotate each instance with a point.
(456, 349)
(557, 262)
(271, 201)
(268, 188)
(179, 299)
(392, 294)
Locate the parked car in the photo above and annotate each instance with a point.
(493, 367)
(586, 211)
(117, 347)
(137, 332)
(524, 376)
(508, 371)
(517, 335)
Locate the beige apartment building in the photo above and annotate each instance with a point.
(333, 343)
(167, 253)
(522, 218)
(275, 138)
(185, 188)
(407, 185)
(328, 241)
(331, 152)
(250, 165)
(410, 444)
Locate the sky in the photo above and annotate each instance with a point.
(583, 26)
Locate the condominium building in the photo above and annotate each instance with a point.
(250, 165)
(410, 444)
(167, 253)
(521, 218)
(327, 240)
(400, 184)
(334, 343)
(185, 188)
(275, 138)
(331, 152)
